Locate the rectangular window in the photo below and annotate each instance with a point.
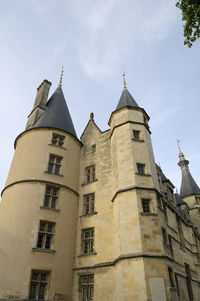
(188, 281)
(146, 205)
(136, 135)
(177, 284)
(51, 196)
(89, 200)
(57, 140)
(90, 174)
(164, 235)
(87, 238)
(180, 230)
(38, 284)
(141, 168)
(86, 287)
(165, 210)
(197, 200)
(170, 246)
(94, 148)
(54, 164)
(159, 202)
(45, 235)
(171, 277)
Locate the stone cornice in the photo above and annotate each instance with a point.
(39, 181)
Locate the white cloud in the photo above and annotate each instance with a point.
(111, 31)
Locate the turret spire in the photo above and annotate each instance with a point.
(61, 76)
(188, 184)
(124, 79)
(182, 161)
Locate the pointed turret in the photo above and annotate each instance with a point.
(56, 114)
(126, 99)
(188, 184)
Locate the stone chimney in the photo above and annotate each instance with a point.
(42, 94)
(39, 104)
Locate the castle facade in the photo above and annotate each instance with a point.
(96, 218)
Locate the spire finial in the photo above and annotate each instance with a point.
(124, 80)
(178, 143)
(61, 76)
(182, 161)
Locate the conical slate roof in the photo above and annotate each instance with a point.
(179, 200)
(126, 100)
(57, 114)
(188, 184)
(163, 177)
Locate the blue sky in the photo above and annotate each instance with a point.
(96, 41)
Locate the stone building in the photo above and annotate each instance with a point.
(95, 218)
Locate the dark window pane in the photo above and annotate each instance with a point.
(50, 227)
(50, 167)
(51, 159)
(42, 226)
(48, 189)
(40, 240)
(58, 160)
(87, 209)
(48, 242)
(33, 290)
(46, 201)
(43, 277)
(34, 276)
(57, 169)
(55, 191)
(41, 291)
(53, 203)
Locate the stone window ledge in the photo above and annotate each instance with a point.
(137, 140)
(89, 182)
(43, 250)
(148, 214)
(81, 255)
(143, 174)
(57, 146)
(87, 215)
(51, 209)
(54, 174)
(172, 288)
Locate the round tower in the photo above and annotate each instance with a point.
(39, 204)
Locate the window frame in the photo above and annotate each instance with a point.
(89, 204)
(171, 276)
(146, 205)
(136, 134)
(90, 174)
(38, 283)
(87, 287)
(54, 166)
(45, 236)
(52, 198)
(57, 140)
(140, 168)
(164, 236)
(87, 243)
